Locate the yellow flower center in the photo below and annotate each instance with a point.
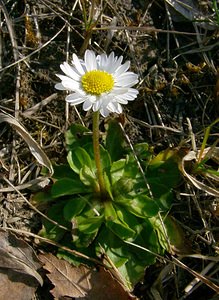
(97, 82)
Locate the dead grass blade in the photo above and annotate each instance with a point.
(35, 149)
(197, 275)
(198, 184)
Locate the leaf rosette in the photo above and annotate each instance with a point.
(127, 213)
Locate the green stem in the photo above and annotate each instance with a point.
(96, 146)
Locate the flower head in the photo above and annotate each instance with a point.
(99, 82)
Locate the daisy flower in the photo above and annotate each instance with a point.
(102, 83)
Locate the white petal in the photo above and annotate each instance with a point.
(78, 64)
(90, 60)
(106, 99)
(97, 105)
(119, 90)
(108, 64)
(104, 112)
(111, 57)
(111, 107)
(118, 108)
(121, 100)
(92, 98)
(114, 65)
(123, 68)
(74, 99)
(133, 92)
(130, 95)
(60, 87)
(87, 105)
(101, 60)
(68, 70)
(127, 79)
(73, 96)
(127, 97)
(69, 83)
(114, 107)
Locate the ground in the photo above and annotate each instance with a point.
(176, 59)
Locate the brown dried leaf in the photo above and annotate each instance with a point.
(81, 282)
(14, 285)
(18, 256)
(104, 286)
(68, 280)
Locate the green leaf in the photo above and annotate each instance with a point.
(130, 261)
(82, 240)
(89, 225)
(112, 246)
(78, 158)
(148, 239)
(143, 206)
(163, 195)
(140, 205)
(108, 185)
(163, 169)
(88, 177)
(74, 207)
(64, 171)
(109, 211)
(90, 214)
(41, 198)
(105, 158)
(50, 230)
(163, 175)
(159, 226)
(67, 186)
(117, 170)
(131, 168)
(104, 155)
(121, 229)
(176, 236)
(123, 186)
(77, 136)
(115, 140)
(143, 152)
(126, 217)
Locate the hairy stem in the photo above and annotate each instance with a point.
(97, 157)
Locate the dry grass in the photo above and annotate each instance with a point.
(177, 63)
